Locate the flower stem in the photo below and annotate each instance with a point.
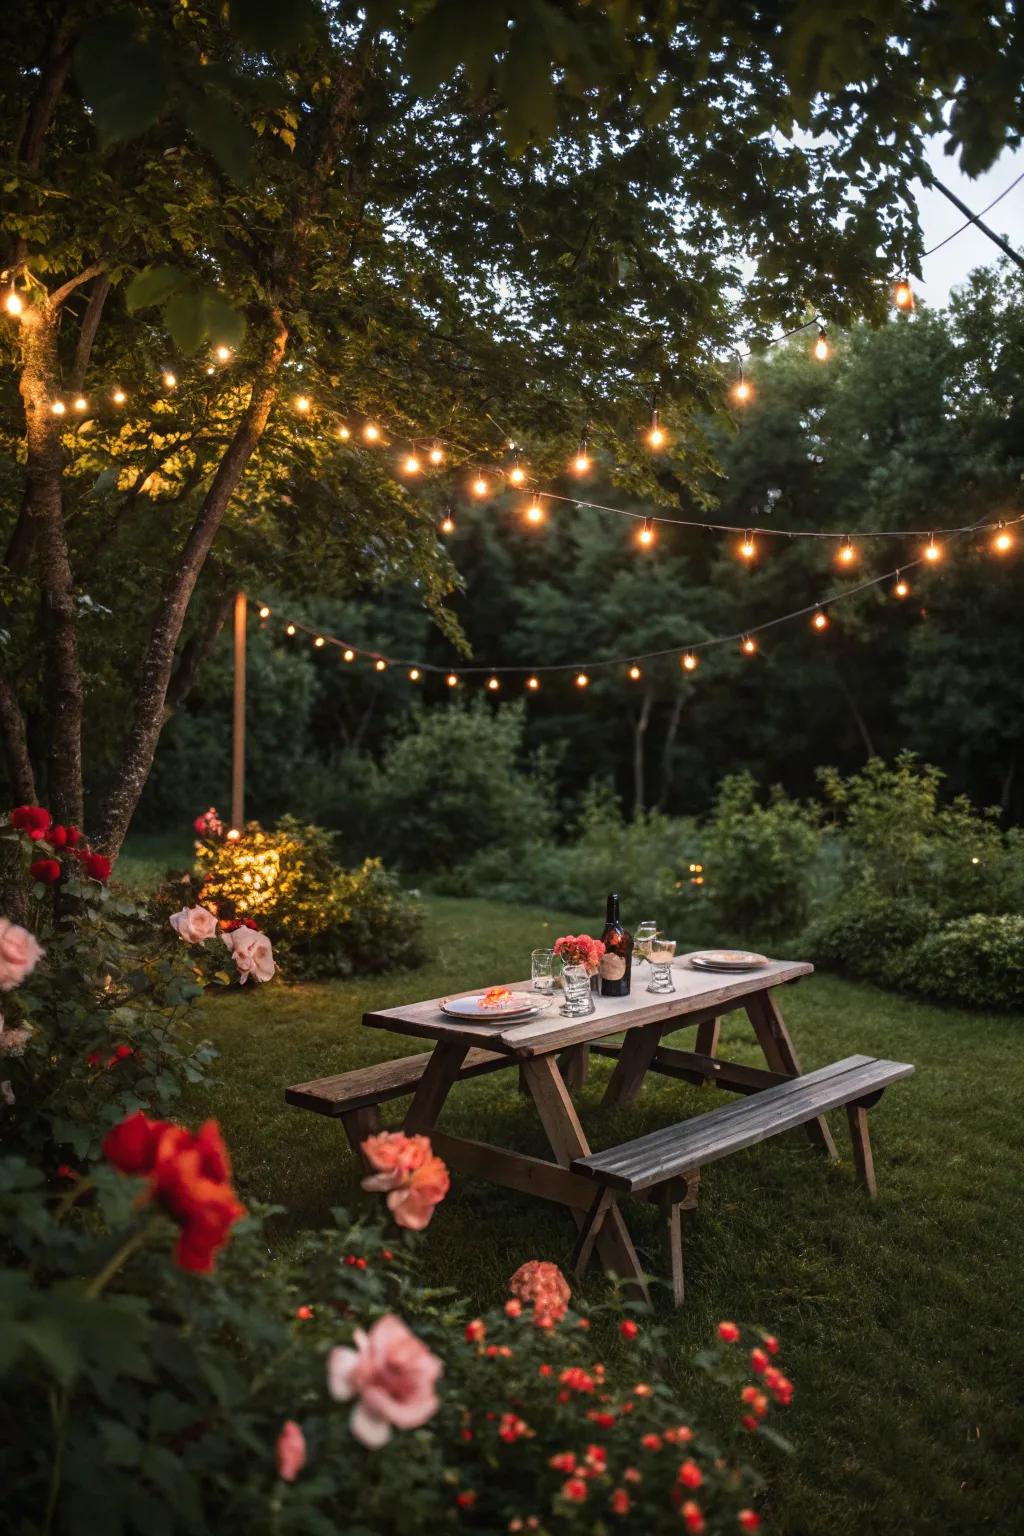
(110, 1269)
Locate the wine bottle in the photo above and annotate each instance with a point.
(617, 960)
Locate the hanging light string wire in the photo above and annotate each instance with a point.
(633, 657)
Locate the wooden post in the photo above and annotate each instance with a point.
(238, 718)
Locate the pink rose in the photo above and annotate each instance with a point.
(252, 954)
(392, 1373)
(19, 954)
(415, 1180)
(291, 1451)
(394, 1156)
(194, 924)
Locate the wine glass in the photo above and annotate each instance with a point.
(645, 932)
(661, 957)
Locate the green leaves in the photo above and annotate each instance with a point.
(193, 314)
(123, 78)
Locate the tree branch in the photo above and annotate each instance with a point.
(90, 325)
(194, 653)
(95, 269)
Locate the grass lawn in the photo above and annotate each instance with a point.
(895, 1318)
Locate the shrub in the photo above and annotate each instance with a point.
(758, 859)
(325, 920)
(974, 962)
(867, 935)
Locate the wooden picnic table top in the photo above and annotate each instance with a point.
(698, 995)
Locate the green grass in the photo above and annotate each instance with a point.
(147, 856)
(895, 1318)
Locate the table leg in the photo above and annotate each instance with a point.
(707, 1037)
(777, 1047)
(442, 1071)
(638, 1050)
(574, 1065)
(565, 1133)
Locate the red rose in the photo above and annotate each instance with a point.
(122, 1052)
(74, 836)
(47, 871)
(131, 1146)
(250, 922)
(57, 836)
(32, 819)
(97, 867)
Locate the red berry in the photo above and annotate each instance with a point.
(690, 1475)
(748, 1520)
(771, 1343)
(728, 1333)
(628, 1328)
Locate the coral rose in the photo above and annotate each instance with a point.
(252, 953)
(291, 1451)
(392, 1373)
(46, 871)
(193, 924)
(33, 820)
(19, 954)
(546, 1287)
(406, 1169)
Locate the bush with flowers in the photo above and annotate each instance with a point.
(95, 1019)
(172, 1374)
(325, 920)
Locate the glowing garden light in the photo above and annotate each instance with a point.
(264, 612)
(819, 621)
(902, 587)
(80, 403)
(436, 454)
(13, 303)
(645, 538)
(447, 524)
(348, 654)
(319, 642)
(302, 404)
(233, 834)
(119, 397)
(656, 435)
(344, 433)
(58, 408)
(170, 379)
(748, 645)
(903, 295)
(380, 665)
(535, 512)
(411, 465)
(414, 674)
(581, 463)
(582, 680)
(689, 662)
(289, 629)
(533, 683)
(742, 390)
(634, 673)
(479, 487)
(932, 551)
(371, 432)
(846, 553)
(493, 684)
(452, 680)
(1003, 541)
(517, 474)
(222, 353)
(747, 547)
(822, 350)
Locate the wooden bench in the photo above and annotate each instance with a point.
(354, 1097)
(666, 1164)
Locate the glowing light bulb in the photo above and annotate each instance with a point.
(436, 454)
(517, 474)
(348, 654)
(170, 379)
(81, 403)
(222, 353)
(748, 548)
(690, 662)
(932, 551)
(646, 535)
(749, 645)
(302, 404)
(233, 835)
(820, 620)
(414, 674)
(656, 437)
(479, 486)
(264, 612)
(493, 684)
(1003, 541)
(742, 391)
(13, 303)
(903, 295)
(319, 642)
(58, 408)
(380, 664)
(344, 433)
(371, 432)
(901, 589)
(119, 397)
(581, 463)
(846, 554)
(448, 524)
(411, 465)
(582, 680)
(289, 629)
(634, 673)
(452, 680)
(535, 512)
(210, 370)
(533, 683)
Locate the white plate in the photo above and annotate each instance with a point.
(728, 960)
(520, 1005)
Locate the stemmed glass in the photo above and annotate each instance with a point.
(661, 957)
(645, 932)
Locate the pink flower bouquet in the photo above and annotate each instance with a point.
(580, 949)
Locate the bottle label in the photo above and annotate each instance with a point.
(613, 966)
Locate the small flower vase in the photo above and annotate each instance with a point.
(579, 998)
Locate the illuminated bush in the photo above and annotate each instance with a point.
(323, 919)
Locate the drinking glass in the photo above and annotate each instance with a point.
(542, 970)
(579, 999)
(661, 957)
(642, 940)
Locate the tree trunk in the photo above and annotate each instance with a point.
(16, 755)
(194, 653)
(40, 384)
(140, 747)
(671, 732)
(640, 725)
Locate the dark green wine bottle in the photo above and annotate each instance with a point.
(617, 960)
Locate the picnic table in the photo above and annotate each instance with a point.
(551, 1053)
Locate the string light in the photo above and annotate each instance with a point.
(517, 474)
(634, 673)
(493, 684)
(535, 512)
(302, 404)
(222, 354)
(903, 295)
(655, 433)
(1003, 541)
(689, 662)
(533, 683)
(344, 433)
(411, 466)
(414, 674)
(348, 654)
(210, 370)
(479, 486)
(820, 620)
(380, 664)
(821, 346)
(119, 397)
(846, 554)
(902, 587)
(289, 629)
(264, 612)
(582, 680)
(452, 680)
(646, 534)
(437, 454)
(170, 379)
(447, 523)
(748, 645)
(13, 303)
(233, 835)
(58, 408)
(319, 642)
(371, 432)
(748, 549)
(933, 551)
(81, 403)
(742, 390)
(581, 463)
